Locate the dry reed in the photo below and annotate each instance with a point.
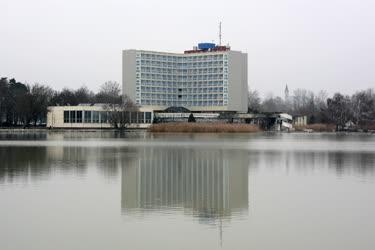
(317, 127)
(370, 126)
(204, 128)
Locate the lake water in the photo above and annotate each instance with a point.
(107, 190)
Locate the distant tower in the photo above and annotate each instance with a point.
(220, 34)
(286, 93)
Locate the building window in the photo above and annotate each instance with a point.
(95, 116)
(103, 117)
(73, 116)
(141, 117)
(66, 117)
(133, 117)
(87, 116)
(127, 117)
(148, 117)
(79, 116)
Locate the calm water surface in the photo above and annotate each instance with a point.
(106, 190)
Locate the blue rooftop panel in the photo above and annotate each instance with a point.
(206, 46)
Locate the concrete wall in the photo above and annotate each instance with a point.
(129, 73)
(237, 77)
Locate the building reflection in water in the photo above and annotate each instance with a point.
(23, 164)
(208, 184)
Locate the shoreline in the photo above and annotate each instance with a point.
(172, 128)
(193, 127)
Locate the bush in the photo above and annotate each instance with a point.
(191, 118)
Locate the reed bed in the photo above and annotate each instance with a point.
(317, 127)
(204, 128)
(370, 126)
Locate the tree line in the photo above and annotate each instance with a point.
(338, 109)
(23, 104)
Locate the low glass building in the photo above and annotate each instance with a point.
(94, 116)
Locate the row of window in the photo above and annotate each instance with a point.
(184, 103)
(181, 71)
(193, 84)
(190, 58)
(186, 78)
(185, 96)
(182, 76)
(79, 116)
(170, 65)
(204, 90)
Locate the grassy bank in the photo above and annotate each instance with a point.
(204, 128)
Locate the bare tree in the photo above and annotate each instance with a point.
(339, 109)
(84, 95)
(18, 103)
(64, 97)
(41, 96)
(119, 114)
(3, 96)
(273, 104)
(117, 107)
(109, 93)
(321, 99)
(254, 101)
(363, 106)
(303, 102)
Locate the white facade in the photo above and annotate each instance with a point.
(95, 116)
(204, 81)
(300, 120)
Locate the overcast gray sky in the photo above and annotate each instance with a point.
(312, 44)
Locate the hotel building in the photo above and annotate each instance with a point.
(207, 78)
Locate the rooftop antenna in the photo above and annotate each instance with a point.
(220, 34)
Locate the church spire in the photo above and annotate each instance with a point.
(286, 93)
